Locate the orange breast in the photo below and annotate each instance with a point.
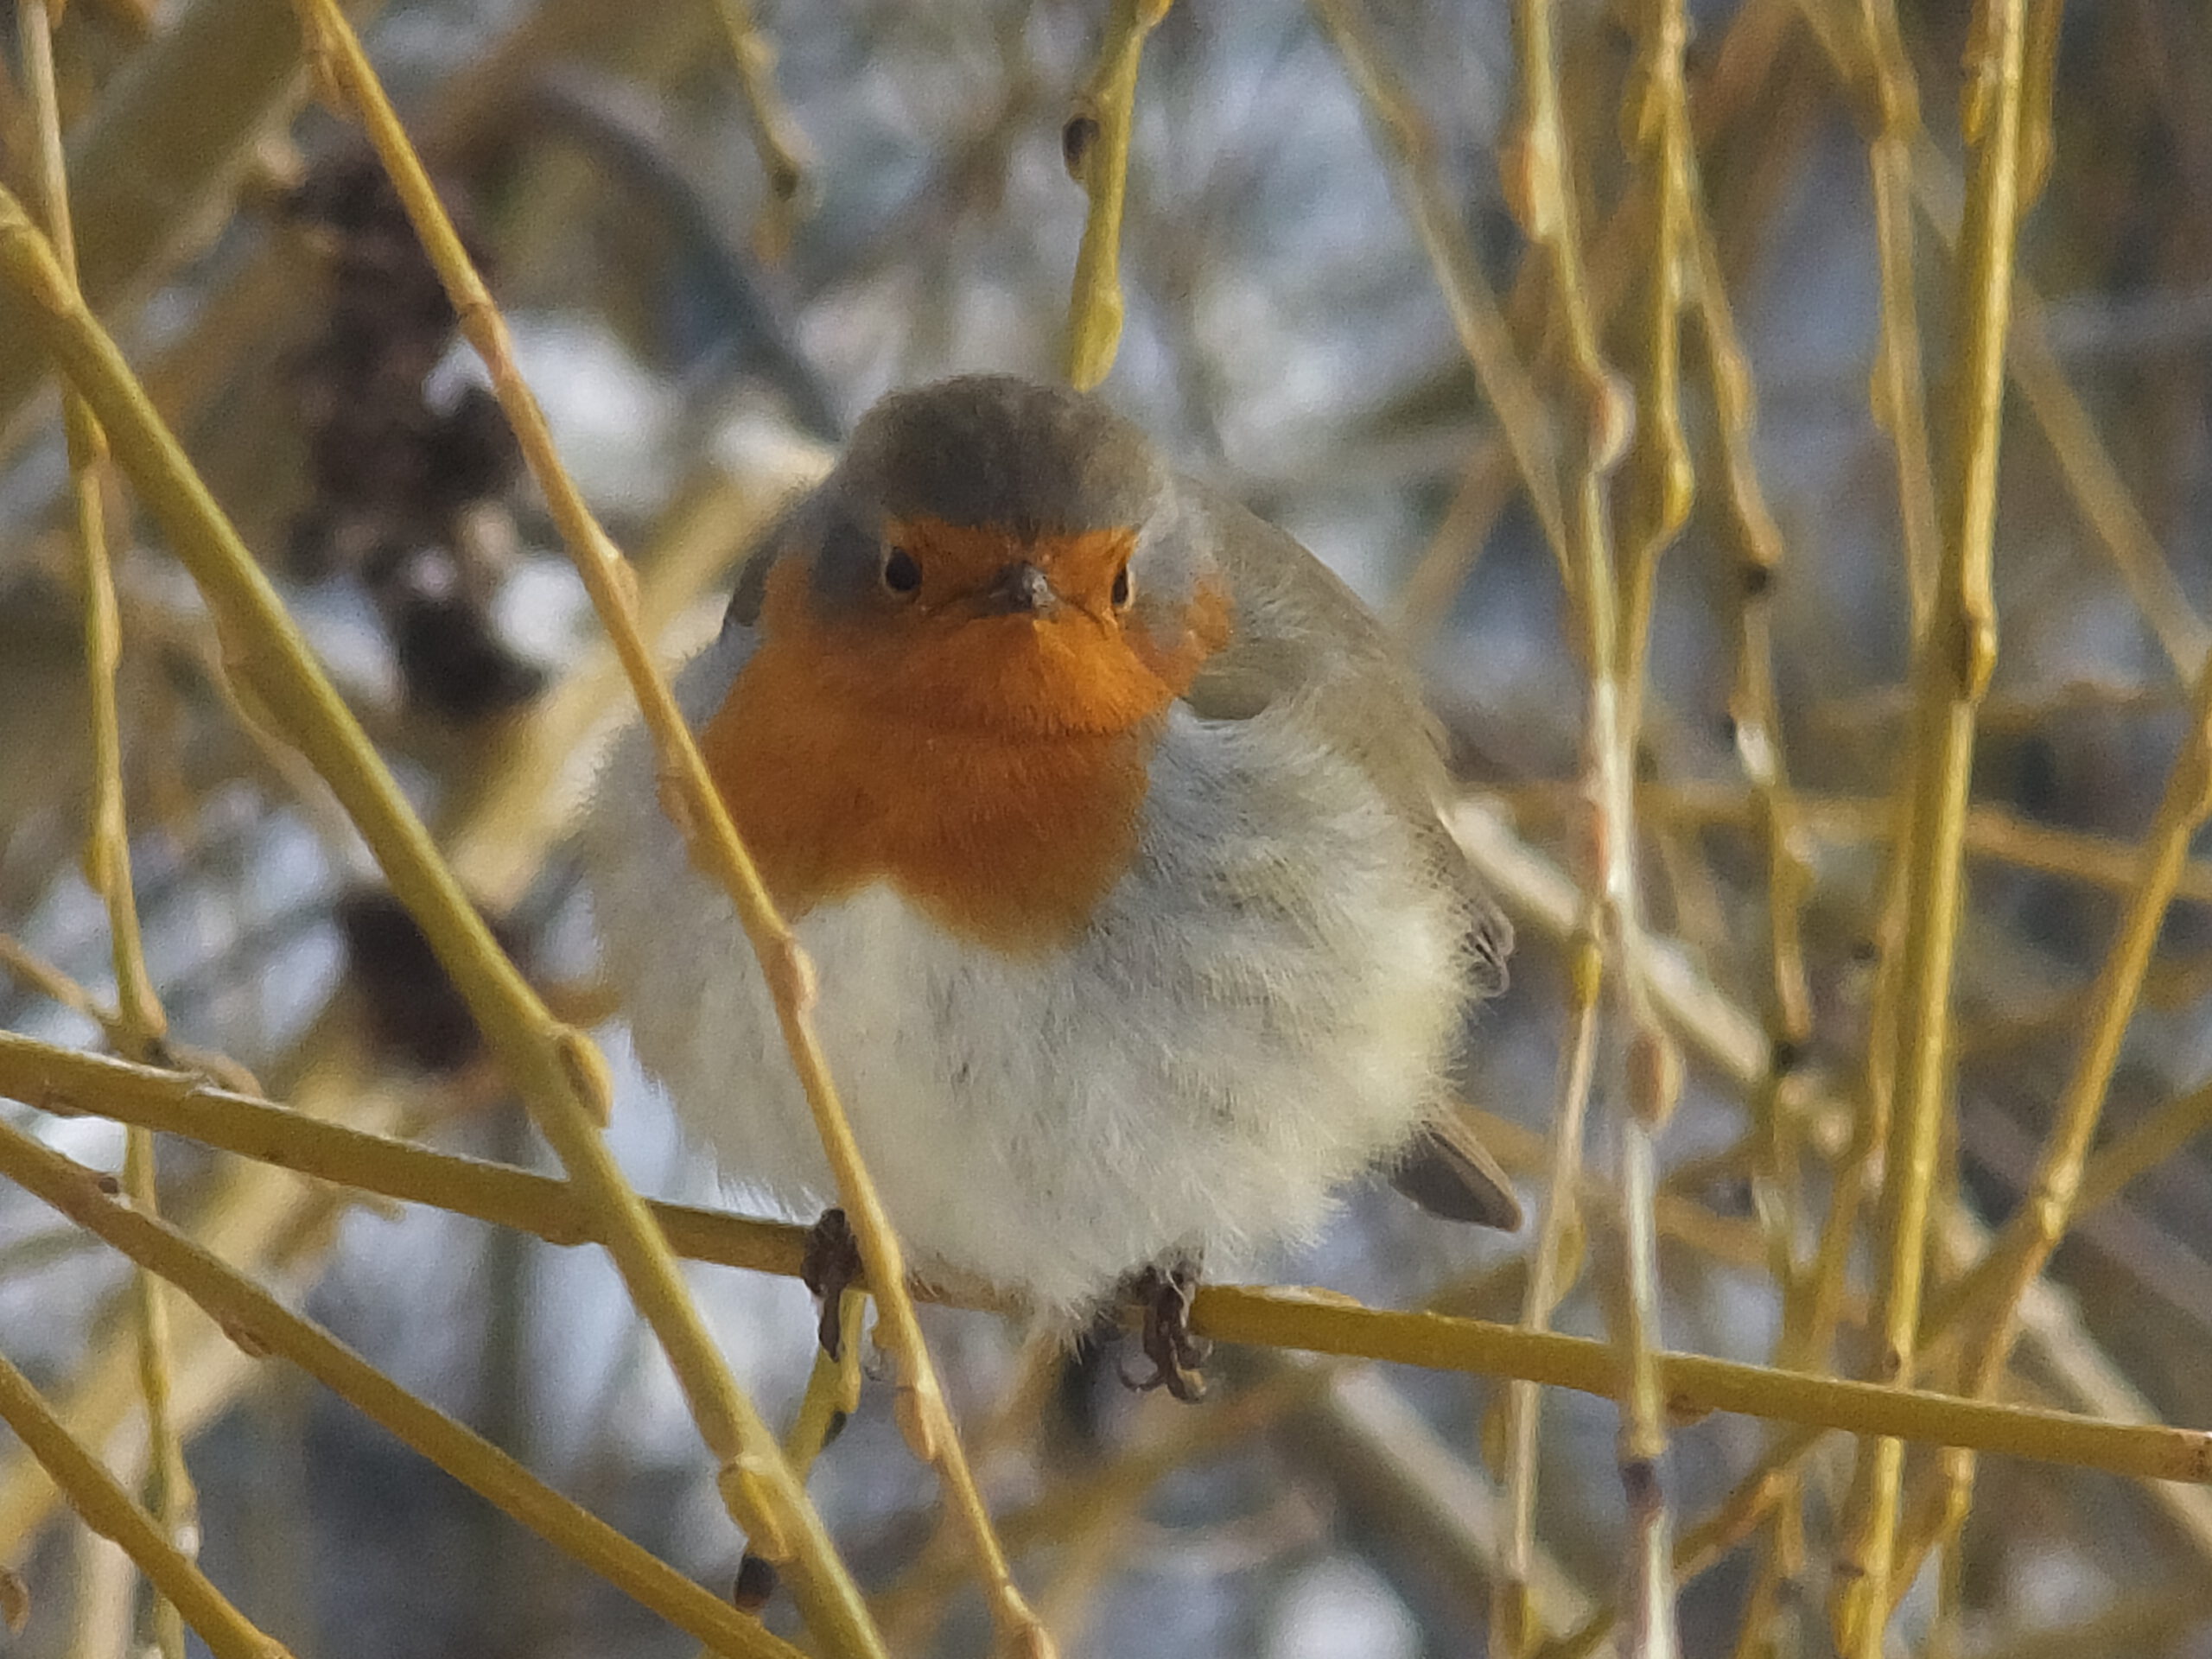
(1007, 823)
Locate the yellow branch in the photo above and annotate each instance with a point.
(34, 973)
(1695, 1384)
(1900, 399)
(140, 1021)
(1642, 1070)
(1476, 318)
(776, 136)
(108, 1510)
(107, 850)
(495, 835)
(1661, 486)
(1539, 895)
(67, 1080)
(2054, 1196)
(2100, 493)
(258, 1323)
(2057, 1193)
(556, 1070)
(759, 1482)
(1095, 144)
(1553, 1264)
(1994, 833)
(1702, 1546)
(1777, 1185)
(1956, 655)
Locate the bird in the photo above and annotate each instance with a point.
(1110, 817)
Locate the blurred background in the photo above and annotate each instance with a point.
(698, 337)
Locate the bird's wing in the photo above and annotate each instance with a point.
(1448, 1172)
(1300, 634)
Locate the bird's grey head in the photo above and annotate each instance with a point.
(1005, 466)
(997, 450)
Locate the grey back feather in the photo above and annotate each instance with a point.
(1299, 633)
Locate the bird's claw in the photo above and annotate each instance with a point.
(830, 1267)
(1175, 1352)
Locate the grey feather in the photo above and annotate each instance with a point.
(1448, 1172)
(1300, 634)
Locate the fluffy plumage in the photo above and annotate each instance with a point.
(1255, 1000)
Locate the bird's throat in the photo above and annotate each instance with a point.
(1008, 841)
(1000, 797)
(993, 775)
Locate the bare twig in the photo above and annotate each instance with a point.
(776, 135)
(762, 1484)
(259, 1323)
(1095, 142)
(1958, 651)
(556, 1069)
(1475, 316)
(140, 1024)
(1642, 1073)
(107, 1509)
(1690, 1384)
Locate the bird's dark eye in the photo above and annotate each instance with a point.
(1124, 589)
(900, 573)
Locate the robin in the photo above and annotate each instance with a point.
(1108, 817)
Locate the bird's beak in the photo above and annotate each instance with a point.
(1020, 590)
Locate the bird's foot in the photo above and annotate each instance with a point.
(1176, 1354)
(830, 1267)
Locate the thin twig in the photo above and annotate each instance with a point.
(1642, 1073)
(109, 1511)
(36, 973)
(1484, 485)
(556, 1070)
(258, 1323)
(1900, 400)
(141, 1024)
(1777, 1185)
(107, 850)
(2085, 464)
(1481, 328)
(762, 1489)
(68, 1080)
(498, 838)
(1957, 654)
(1513, 1608)
(1541, 896)
(1994, 834)
(783, 149)
(2052, 1200)
(1661, 486)
(1692, 1384)
(2061, 1191)
(1095, 143)
(1702, 1546)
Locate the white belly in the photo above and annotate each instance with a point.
(1251, 1019)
